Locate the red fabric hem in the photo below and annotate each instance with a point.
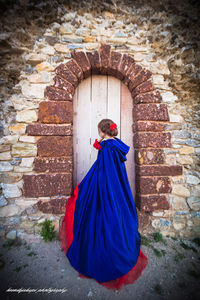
(66, 238)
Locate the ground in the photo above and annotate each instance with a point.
(173, 272)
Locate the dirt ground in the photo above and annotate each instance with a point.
(44, 272)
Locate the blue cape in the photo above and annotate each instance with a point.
(106, 241)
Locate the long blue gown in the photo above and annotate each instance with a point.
(106, 241)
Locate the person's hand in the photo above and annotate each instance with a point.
(97, 145)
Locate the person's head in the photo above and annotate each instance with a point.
(104, 128)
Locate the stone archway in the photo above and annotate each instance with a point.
(53, 165)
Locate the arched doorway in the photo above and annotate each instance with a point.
(53, 166)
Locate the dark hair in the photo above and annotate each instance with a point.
(104, 126)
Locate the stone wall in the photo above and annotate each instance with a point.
(167, 168)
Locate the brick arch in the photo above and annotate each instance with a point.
(53, 167)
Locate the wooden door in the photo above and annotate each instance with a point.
(99, 97)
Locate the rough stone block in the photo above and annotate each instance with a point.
(53, 206)
(26, 116)
(55, 146)
(63, 84)
(180, 190)
(82, 61)
(44, 185)
(194, 203)
(9, 211)
(33, 90)
(55, 112)
(144, 87)
(53, 164)
(131, 74)
(94, 60)
(11, 190)
(152, 203)
(48, 129)
(75, 69)
(154, 96)
(4, 148)
(149, 156)
(5, 166)
(152, 185)
(147, 126)
(44, 66)
(68, 75)
(142, 76)
(55, 94)
(35, 58)
(126, 63)
(24, 150)
(152, 139)
(152, 112)
(115, 59)
(104, 54)
(173, 170)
